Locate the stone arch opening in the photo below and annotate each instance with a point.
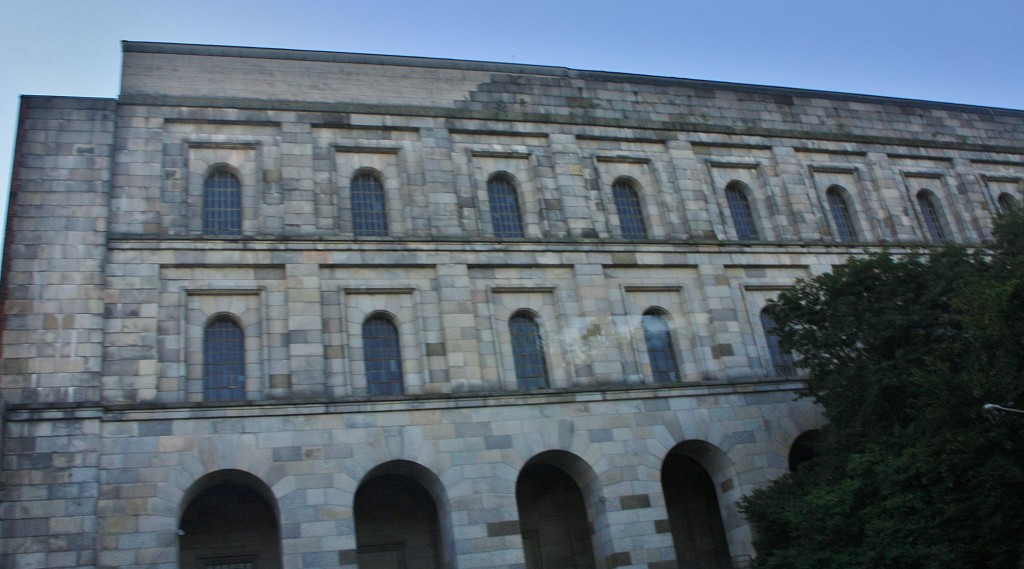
(803, 449)
(229, 520)
(692, 502)
(553, 492)
(401, 512)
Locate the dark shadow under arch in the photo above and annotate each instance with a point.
(229, 518)
(803, 449)
(401, 517)
(552, 495)
(692, 502)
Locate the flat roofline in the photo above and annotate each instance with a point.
(553, 71)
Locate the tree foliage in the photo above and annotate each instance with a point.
(911, 472)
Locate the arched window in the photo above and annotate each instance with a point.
(382, 357)
(841, 215)
(222, 204)
(782, 362)
(1007, 202)
(528, 352)
(627, 205)
(223, 361)
(505, 218)
(741, 211)
(660, 350)
(369, 210)
(932, 215)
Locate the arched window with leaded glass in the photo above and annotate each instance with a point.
(223, 360)
(660, 349)
(528, 351)
(842, 215)
(382, 356)
(222, 204)
(627, 206)
(782, 362)
(741, 211)
(369, 206)
(506, 220)
(931, 213)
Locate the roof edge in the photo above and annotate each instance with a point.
(497, 67)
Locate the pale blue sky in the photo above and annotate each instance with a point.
(963, 51)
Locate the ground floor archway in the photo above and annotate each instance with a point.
(397, 523)
(695, 518)
(229, 522)
(553, 518)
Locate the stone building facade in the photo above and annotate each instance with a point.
(275, 308)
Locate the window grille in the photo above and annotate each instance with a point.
(528, 352)
(841, 215)
(742, 213)
(660, 350)
(222, 204)
(223, 361)
(932, 216)
(782, 362)
(382, 357)
(627, 205)
(505, 218)
(369, 209)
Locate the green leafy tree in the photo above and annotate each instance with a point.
(911, 472)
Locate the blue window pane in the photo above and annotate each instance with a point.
(369, 211)
(660, 350)
(505, 218)
(528, 352)
(742, 214)
(223, 361)
(627, 205)
(932, 217)
(382, 357)
(841, 216)
(782, 362)
(222, 204)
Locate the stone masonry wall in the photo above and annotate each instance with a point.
(109, 284)
(53, 334)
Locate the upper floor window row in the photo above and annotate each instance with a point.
(224, 354)
(222, 208)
